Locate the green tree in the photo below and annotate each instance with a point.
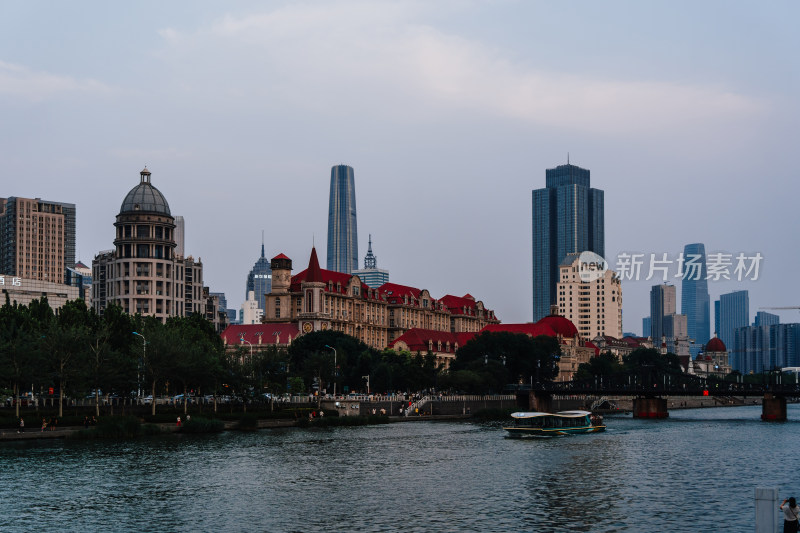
(500, 358)
(605, 364)
(18, 358)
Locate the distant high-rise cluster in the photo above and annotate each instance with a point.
(568, 217)
(342, 226)
(695, 300)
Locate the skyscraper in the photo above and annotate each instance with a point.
(734, 312)
(37, 238)
(695, 301)
(371, 275)
(662, 304)
(567, 217)
(342, 229)
(259, 280)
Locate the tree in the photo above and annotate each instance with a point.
(605, 364)
(18, 358)
(500, 358)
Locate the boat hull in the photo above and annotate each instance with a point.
(551, 432)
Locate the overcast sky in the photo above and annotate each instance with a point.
(686, 113)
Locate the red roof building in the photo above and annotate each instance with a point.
(318, 299)
(442, 344)
(259, 336)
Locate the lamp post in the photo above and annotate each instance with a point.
(144, 355)
(334, 369)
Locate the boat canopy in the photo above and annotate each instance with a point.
(564, 414)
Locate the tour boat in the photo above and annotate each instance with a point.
(554, 424)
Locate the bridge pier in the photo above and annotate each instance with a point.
(773, 408)
(535, 401)
(650, 408)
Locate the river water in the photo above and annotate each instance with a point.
(695, 471)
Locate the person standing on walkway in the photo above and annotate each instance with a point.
(790, 513)
(21, 426)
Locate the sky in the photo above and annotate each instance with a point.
(449, 112)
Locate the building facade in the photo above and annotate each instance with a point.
(23, 291)
(37, 238)
(662, 303)
(371, 274)
(695, 301)
(342, 227)
(317, 299)
(143, 273)
(567, 217)
(759, 349)
(259, 280)
(251, 312)
(593, 305)
(734, 313)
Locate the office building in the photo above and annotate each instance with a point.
(676, 335)
(734, 313)
(180, 236)
(342, 227)
(23, 291)
(259, 280)
(251, 313)
(595, 306)
(695, 301)
(371, 274)
(567, 217)
(80, 276)
(143, 273)
(37, 238)
(647, 327)
(766, 319)
(760, 349)
(662, 304)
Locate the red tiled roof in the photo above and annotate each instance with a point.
(418, 339)
(559, 324)
(314, 272)
(590, 344)
(394, 293)
(457, 305)
(716, 345)
(281, 256)
(256, 334)
(529, 328)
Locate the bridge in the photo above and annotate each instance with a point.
(650, 387)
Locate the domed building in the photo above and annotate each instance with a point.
(712, 361)
(143, 273)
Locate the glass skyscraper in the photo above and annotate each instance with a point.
(342, 228)
(259, 280)
(734, 313)
(568, 217)
(695, 301)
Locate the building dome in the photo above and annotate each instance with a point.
(145, 198)
(560, 325)
(716, 345)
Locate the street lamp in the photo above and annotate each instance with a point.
(334, 369)
(144, 355)
(251, 347)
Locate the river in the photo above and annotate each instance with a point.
(695, 471)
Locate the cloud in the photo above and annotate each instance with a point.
(361, 56)
(17, 81)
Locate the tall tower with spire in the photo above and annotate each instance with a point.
(371, 275)
(259, 280)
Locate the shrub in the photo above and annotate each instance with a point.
(198, 424)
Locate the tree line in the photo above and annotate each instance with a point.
(76, 351)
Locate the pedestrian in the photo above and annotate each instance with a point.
(188, 418)
(179, 421)
(85, 422)
(21, 426)
(44, 424)
(790, 514)
(94, 421)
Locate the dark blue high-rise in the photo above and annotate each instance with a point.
(568, 217)
(342, 228)
(695, 301)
